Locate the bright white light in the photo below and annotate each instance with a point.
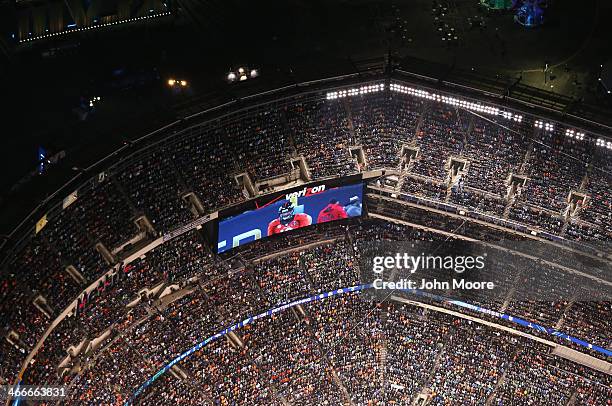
(445, 99)
(240, 70)
(243, 77)
(355, 91)
(92, 27)
(574, 134)
(231, 76)
(183, 83)
(603, 143)
(254, 73)
(171, 82)
(545, 126)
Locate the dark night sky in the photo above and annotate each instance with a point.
(309, 38)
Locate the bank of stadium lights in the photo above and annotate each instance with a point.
(355, 91)
(542, 125)
(174, 82)
(453, 101)
(242, 74)
(604, 143)
(574, 134)
(93, 27)
(94, 100)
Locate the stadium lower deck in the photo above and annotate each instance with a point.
(348, 349)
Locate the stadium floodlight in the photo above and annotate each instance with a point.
(94, 100)
(355, 91)
(241, 74)
(603, 143)
(174, 83)
(453, 101)
(574, 134)
(546, 126)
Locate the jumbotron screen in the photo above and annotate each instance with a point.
(318, 203)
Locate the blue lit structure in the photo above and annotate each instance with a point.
(42, 160)
(530, 13)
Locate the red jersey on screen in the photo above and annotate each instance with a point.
(331, 212)
(299, 220)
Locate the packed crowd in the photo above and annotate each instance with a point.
(477, 200)
(156, 189)
(321, 132)
(341, 349)
(352, 334)
(533, 378)
(537, 216)
(176, 262)
(207, 161)
(383, 124)
(425, 187)
(204, 160)
(495, 149)
(440, 136)
(598, 208)
(557, 165)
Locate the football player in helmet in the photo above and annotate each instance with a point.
(288, 219)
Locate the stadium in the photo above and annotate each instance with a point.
(376, 236)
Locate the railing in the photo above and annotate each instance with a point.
(468, 213)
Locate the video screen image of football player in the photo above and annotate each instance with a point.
(288, 219)
(333, 211)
